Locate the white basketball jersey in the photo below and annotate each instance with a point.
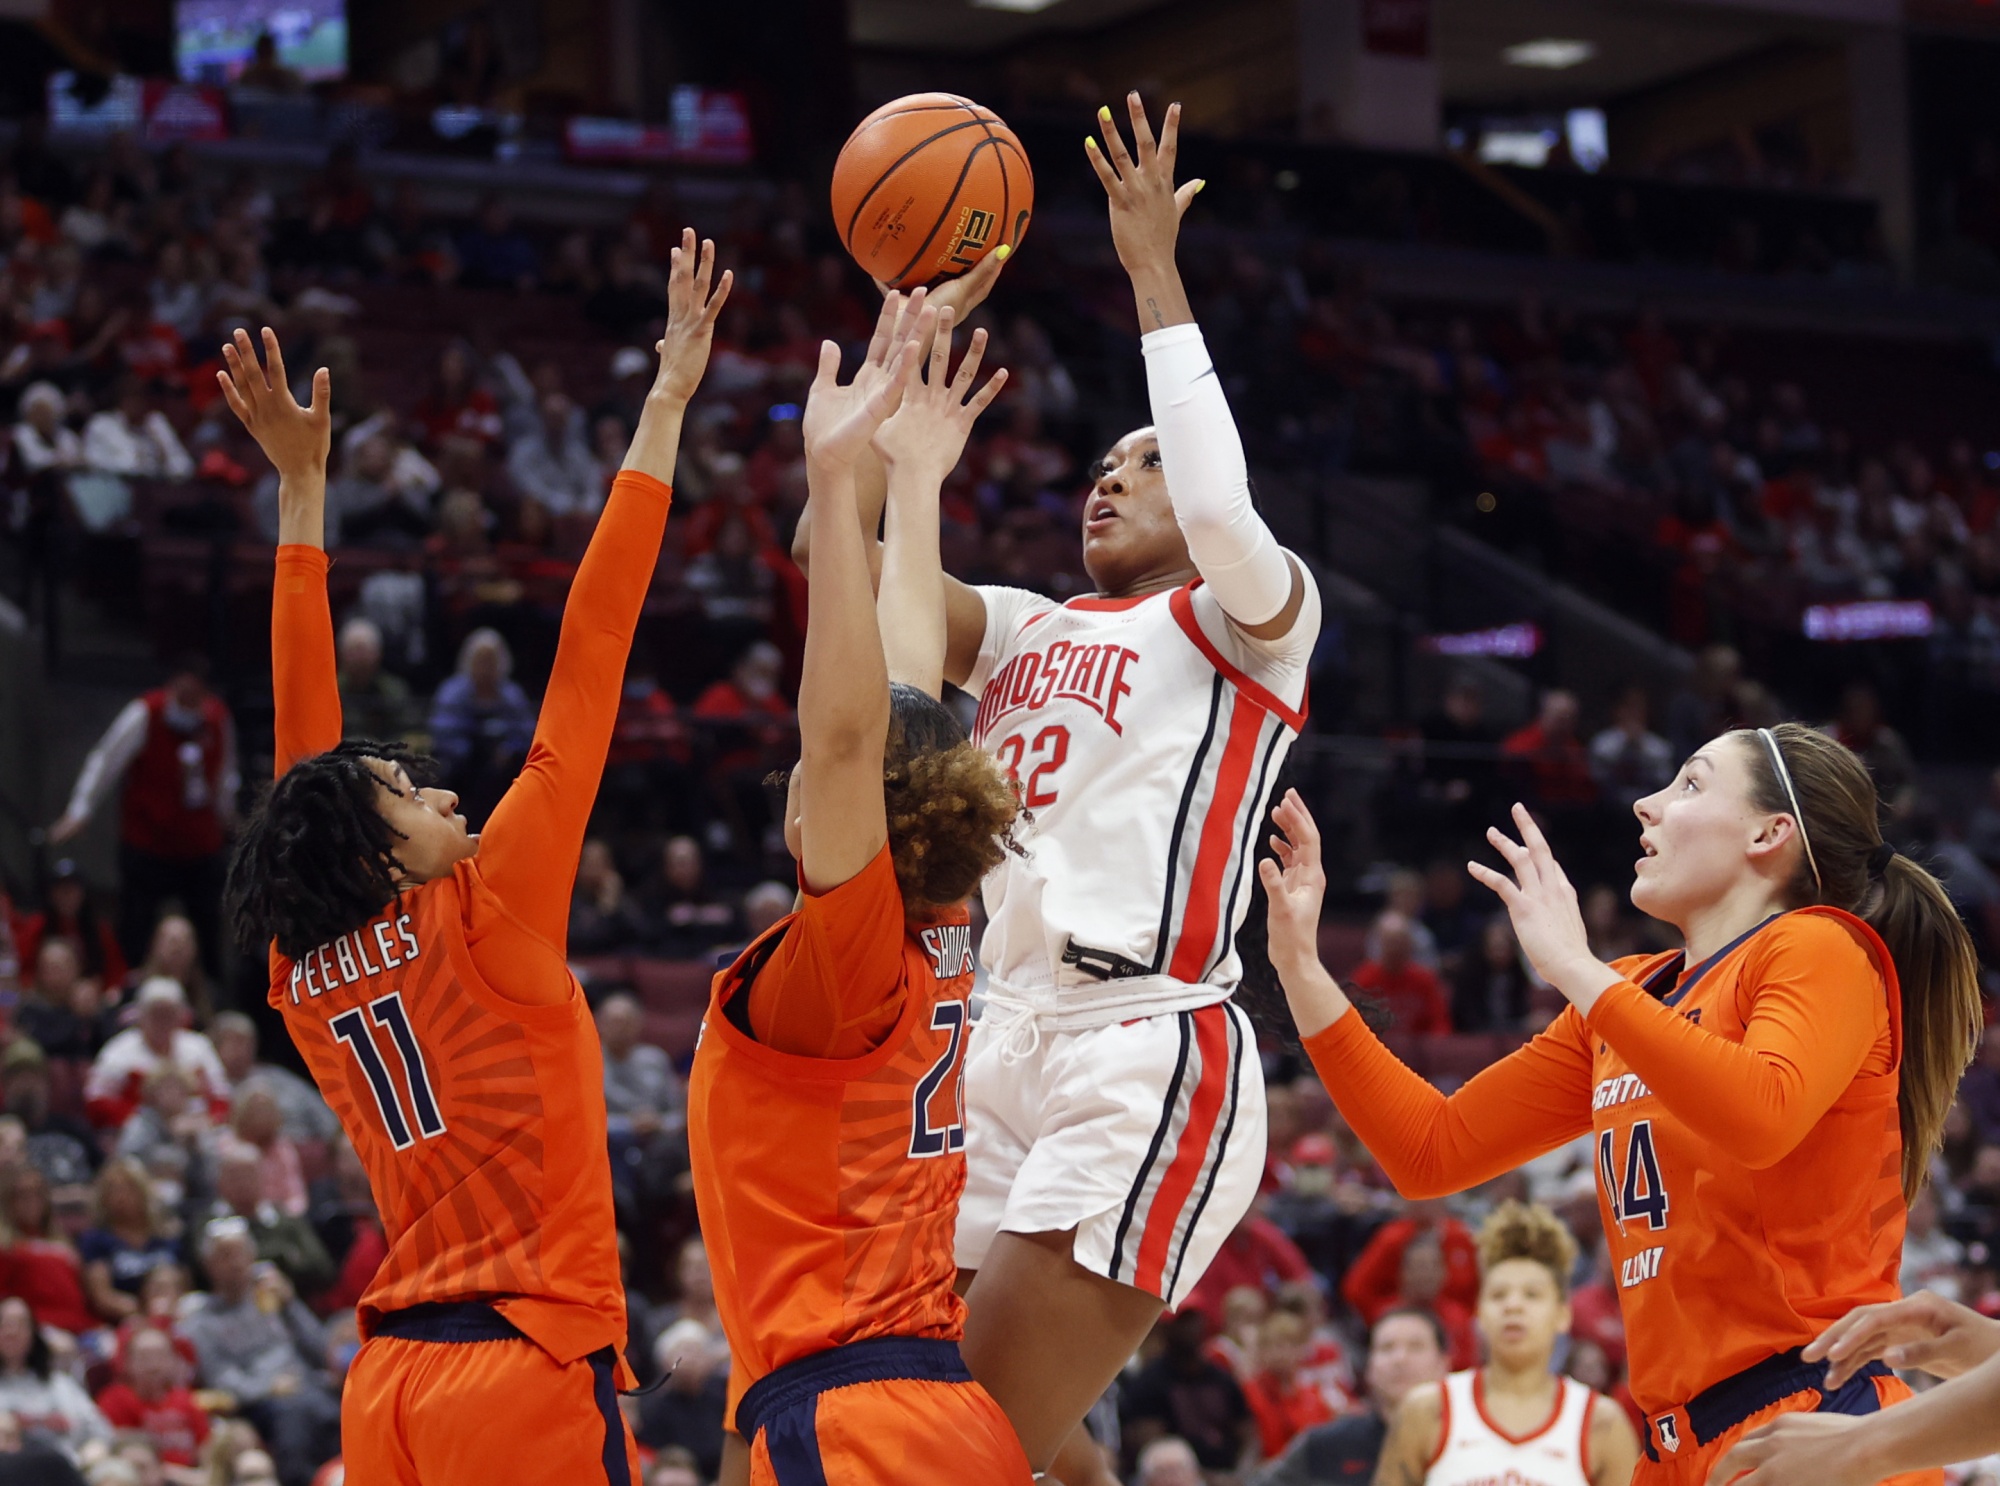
(1145, 733)
(1477, 1452)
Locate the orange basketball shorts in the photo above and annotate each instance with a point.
(452, 1395)
(888, 1411)
(1683, 1445)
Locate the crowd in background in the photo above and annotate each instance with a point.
(183, 1231)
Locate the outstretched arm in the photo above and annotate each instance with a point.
(919, 447)
(844, 691)
(1531, 1101)
(1259, 587)
(305, 685)
(965, 610)
(529, 850)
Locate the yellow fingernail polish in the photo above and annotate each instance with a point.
(1104, 112)
(1199, 186)
(1090, 141)
(1002, 251)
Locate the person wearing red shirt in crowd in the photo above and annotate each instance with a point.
(1372, 1281)
(1421, 1281)
(1280, 1398)
(457, 406)
(153, 1399)
(749, 699)
(175, 749)
(40, 1265)
(1551, 756)
(1414, 995)
(1256, 1254)
(70, 913)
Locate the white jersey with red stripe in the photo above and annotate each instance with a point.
(1475, 1451)
(1146, 733)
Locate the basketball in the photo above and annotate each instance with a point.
(927, 185)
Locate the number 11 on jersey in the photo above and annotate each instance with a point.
(351, 1028)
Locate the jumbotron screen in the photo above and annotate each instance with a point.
(214, 39)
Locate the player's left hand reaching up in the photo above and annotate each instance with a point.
(929, 430)
(840, 421)
(1146, 208)
(295, 439)
(1547, 919)
(691, 312)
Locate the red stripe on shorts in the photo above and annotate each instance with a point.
(1211, 1032)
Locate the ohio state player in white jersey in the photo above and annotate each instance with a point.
(1114, 1101)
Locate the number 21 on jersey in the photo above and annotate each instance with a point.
(387, 1012)
(937, 1124)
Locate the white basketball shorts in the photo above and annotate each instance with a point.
(1146, 1137)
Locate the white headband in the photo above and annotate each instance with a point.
(1799, 816)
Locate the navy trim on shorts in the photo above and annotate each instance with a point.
(449, 1321)
(784, 1405)
(604, 1388)
(1719, 1408)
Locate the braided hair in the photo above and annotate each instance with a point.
(317, 859)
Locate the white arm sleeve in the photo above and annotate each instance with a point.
(109, 760)
(1208, 481)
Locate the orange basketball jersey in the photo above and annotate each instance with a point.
(828, 1187)
(1724, 1255)
(481, 1122)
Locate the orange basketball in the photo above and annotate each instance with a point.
(927, 185)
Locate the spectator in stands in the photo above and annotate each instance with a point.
(1180, 1392)
(59, 1010)
(481, 723)
(1931, 1256)
(30, 1462)
(264, 73)
(1282, 1403)
(70, 909)
(764, 905)
(350, 1227)
(457, 407)
(367, 507)
(1460, 770)
(175, 750)
(306, 1116)
(152, 1399)
(126, 1241)
(1979, 1093)
(1415, 996)
(40, 1265)
(171, 1134)
(552, 463)
(260, 1346)
(750, 725)
(1490, 992)
(1548, 757)
(55, 1140)
(690, 1410)
(178, 301)
(174, 951)
(603, 918)
(1256, 1253)
(374, 702)
(675, 1466)
(684, 915)
(134, 439)
(258, 1123)
(1419, 1261)
(158, 1037)
(45, 1401)
(493, 253)
(281, 1238)
(42, 441)
(1169, 1463)
(1406, 1348)
(1406, 895)
(641, 1091)
(1629, 760)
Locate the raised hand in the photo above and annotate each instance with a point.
(1295, 885)
(929, 430)
(1146, 208)
(1547, 919)
(691, 312)
(840, 421)
(294, 439)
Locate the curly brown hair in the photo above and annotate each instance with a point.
(1527, 1230)
(951, 807)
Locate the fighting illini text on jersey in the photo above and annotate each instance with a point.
(479, 1117)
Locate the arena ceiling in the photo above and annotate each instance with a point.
(1636, 43)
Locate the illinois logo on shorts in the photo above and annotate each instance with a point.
(1669, 1432)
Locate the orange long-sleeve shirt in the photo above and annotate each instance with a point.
(475, 1097)
(1749, 1147)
